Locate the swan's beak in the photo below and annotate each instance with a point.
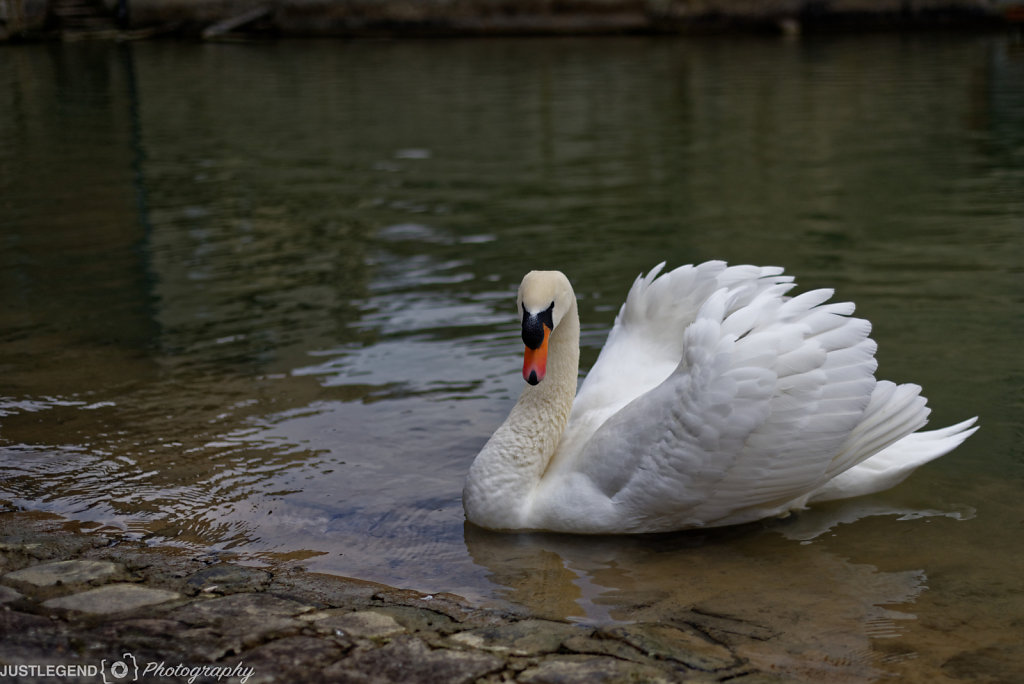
(535, 361)
(536, 331)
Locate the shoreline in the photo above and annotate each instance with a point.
(33, 20)
(76, 601)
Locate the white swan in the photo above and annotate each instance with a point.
(716, 400)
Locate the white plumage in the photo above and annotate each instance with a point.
(717, 399)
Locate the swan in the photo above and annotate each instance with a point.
(717, 400)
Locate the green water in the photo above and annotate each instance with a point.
(260, 298)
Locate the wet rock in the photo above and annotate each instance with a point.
(407, 659)
(112, 598)
(227, 610)
(684, 646)
(583, 669)
(146, 637)
(229, 579)
(21, 539)
(420, 619)
(324, 590)
(330, 591)
(167, 567)
(526, 637)
(65, 572)
(7, 594)
(206, 645)
(32, 639)
(154, 639)
(291, 659)
(445, 603)
(29, 548)
(247, 619)
(367, 624)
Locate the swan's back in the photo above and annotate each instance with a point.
(718, 399)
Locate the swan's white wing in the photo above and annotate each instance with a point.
(646, 342)
(768, 390)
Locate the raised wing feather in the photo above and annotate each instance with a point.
(646, 343)
(766, 390)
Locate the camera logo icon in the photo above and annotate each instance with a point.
(124, 670)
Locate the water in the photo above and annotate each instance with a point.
(260, 299)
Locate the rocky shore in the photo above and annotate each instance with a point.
(232, 19)
(90, 606)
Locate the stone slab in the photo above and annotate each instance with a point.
(65, 572)
(112, 598)
(248, 618)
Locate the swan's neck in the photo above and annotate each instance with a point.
(503, 478)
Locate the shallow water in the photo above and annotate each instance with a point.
(260, 298)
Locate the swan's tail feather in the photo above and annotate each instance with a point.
(893, 464)
(893, 412)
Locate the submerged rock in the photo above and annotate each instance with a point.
(685, 646)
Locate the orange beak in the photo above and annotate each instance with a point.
(535, 361)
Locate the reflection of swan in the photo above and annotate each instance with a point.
(716, 400)
(814, 523)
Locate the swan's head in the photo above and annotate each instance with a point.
(544, 298)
